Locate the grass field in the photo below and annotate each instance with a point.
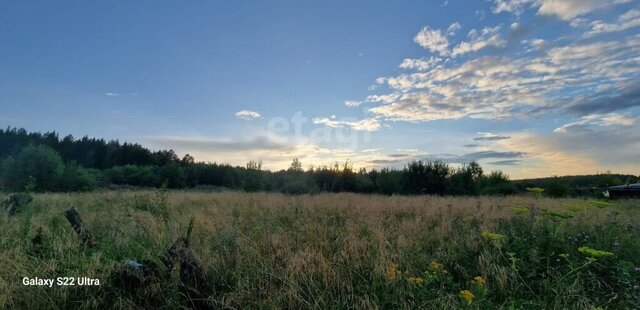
(329, 251)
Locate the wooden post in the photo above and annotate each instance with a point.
(194, 286)
(73, 217)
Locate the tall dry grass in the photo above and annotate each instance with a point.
(331, 250)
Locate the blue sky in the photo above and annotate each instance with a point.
(531, 87)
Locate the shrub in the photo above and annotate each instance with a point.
(497, 183)
(557, 189)
(35, 164)
(76, 178)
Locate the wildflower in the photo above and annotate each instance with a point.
(492, 236)
(416, 280)
(467, 296)
(437, 266)
(520, 210)
(536, 190)
(479, 280)
(593, 252)
(392, 272)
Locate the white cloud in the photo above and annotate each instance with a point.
(510, 6)
(628, 20)
(579, 22)
(433, 40)
(488, 36)
(611, 119)
(417, 107)
(453, 29)
(369, 124)
(517, 85)
(488, 136)
(614, 119)
(569, 9)
(110, 94)
(563, 9)
(537, 44)
(352, 103)
(419, 64)
(247, 115)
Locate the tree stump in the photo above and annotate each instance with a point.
(194, 286)
(73, 217)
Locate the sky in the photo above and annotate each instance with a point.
(534, 88)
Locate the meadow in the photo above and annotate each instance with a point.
(326, 251)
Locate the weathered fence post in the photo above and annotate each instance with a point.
(73, 217)
(194, 286)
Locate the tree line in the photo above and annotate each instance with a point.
(46, 162)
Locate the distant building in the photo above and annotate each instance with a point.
(624, 191)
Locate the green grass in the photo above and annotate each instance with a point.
(331, 251)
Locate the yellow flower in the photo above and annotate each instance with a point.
(479, 280)
(536, 190)
(467, 295)
(416, 280)
(520, 210)
(437, 266)
(392, 271)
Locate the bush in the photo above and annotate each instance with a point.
(36, 166)
(76, 178)
(141, 175)
(497, 183)
(557, 189)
